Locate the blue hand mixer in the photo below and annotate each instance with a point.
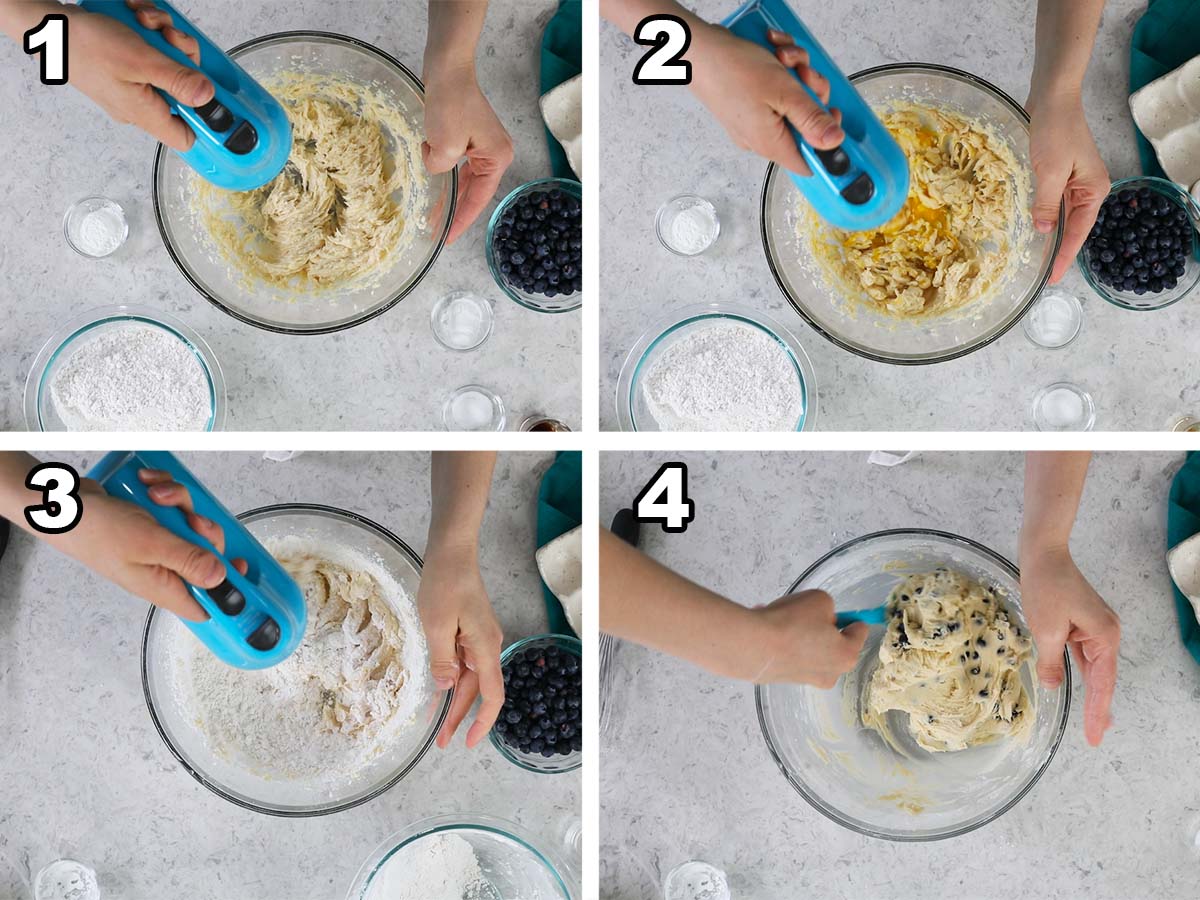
(243, 135)
(863, 183)
(255, 620)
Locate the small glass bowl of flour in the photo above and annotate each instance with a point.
(687, 225)
(462, 857)
(125, 368)
(95, 227)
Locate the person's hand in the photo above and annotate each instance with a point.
(123, 543)
(1067, 169)
(459, 122)
(119, 71)
(754, 96)
(796, 639)
(1063, 609)
(464, 639)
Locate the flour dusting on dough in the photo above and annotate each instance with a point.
(951, 660)
(951, 244)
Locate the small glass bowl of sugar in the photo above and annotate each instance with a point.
(95, 227)
(687, 225)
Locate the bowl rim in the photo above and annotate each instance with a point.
(627, 378)
(86, 321)
(293, 813)
(1184, 200)
(161, 151)
(431, 825)
(843, 820)
(773, 171)
(575, 645)
(574, 187)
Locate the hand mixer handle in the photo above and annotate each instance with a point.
(263, 609)
(243, 135)
(862, 183)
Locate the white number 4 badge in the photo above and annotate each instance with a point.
(664, 500)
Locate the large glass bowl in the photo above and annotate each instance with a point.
(176, 723)
(513, 866)
(535, 762)
(849, 321)
(1181, 199)
(40, 411)
(846, 770)
(633, 412)
(309, 312)
(537, 302)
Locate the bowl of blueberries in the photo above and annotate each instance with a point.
(540, 727)
(1143, 251)
(535, 245)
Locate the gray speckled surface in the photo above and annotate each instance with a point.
(685, 772)
(85, 775)
(659, 142)
(386, 374)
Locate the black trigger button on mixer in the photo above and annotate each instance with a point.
(265, 636)
(860, 190)
(216, 116)
(228, 598)
(835, 161)
(243, 140)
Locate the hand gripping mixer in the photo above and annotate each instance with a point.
(256, 620)
(863, 183)
(243, 135)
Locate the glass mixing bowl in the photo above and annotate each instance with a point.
(633, 412)
(851, 323)
(1180, 199)
(846, 770)
(309, 312)
(40, 412)
(512, 865)
(176, 722)
(535, 762)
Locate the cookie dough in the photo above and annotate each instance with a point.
(951, 660)
(352, 653)
(949, 246)
(336, 214)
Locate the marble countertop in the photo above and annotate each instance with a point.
(658, 142)
(85, 775)
(387, 374)
(684, 769)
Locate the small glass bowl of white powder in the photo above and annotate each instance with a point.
(717, 367)
(462, 857)
(687, 225)
(125, 368)
(95, 227)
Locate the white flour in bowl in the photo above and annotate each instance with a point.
(724, 376)
(358, 678)
(441, 866)
(133, 377)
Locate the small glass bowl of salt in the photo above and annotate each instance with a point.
(687, 225)
(95, 227)
(474, 408)
(1064, 407)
